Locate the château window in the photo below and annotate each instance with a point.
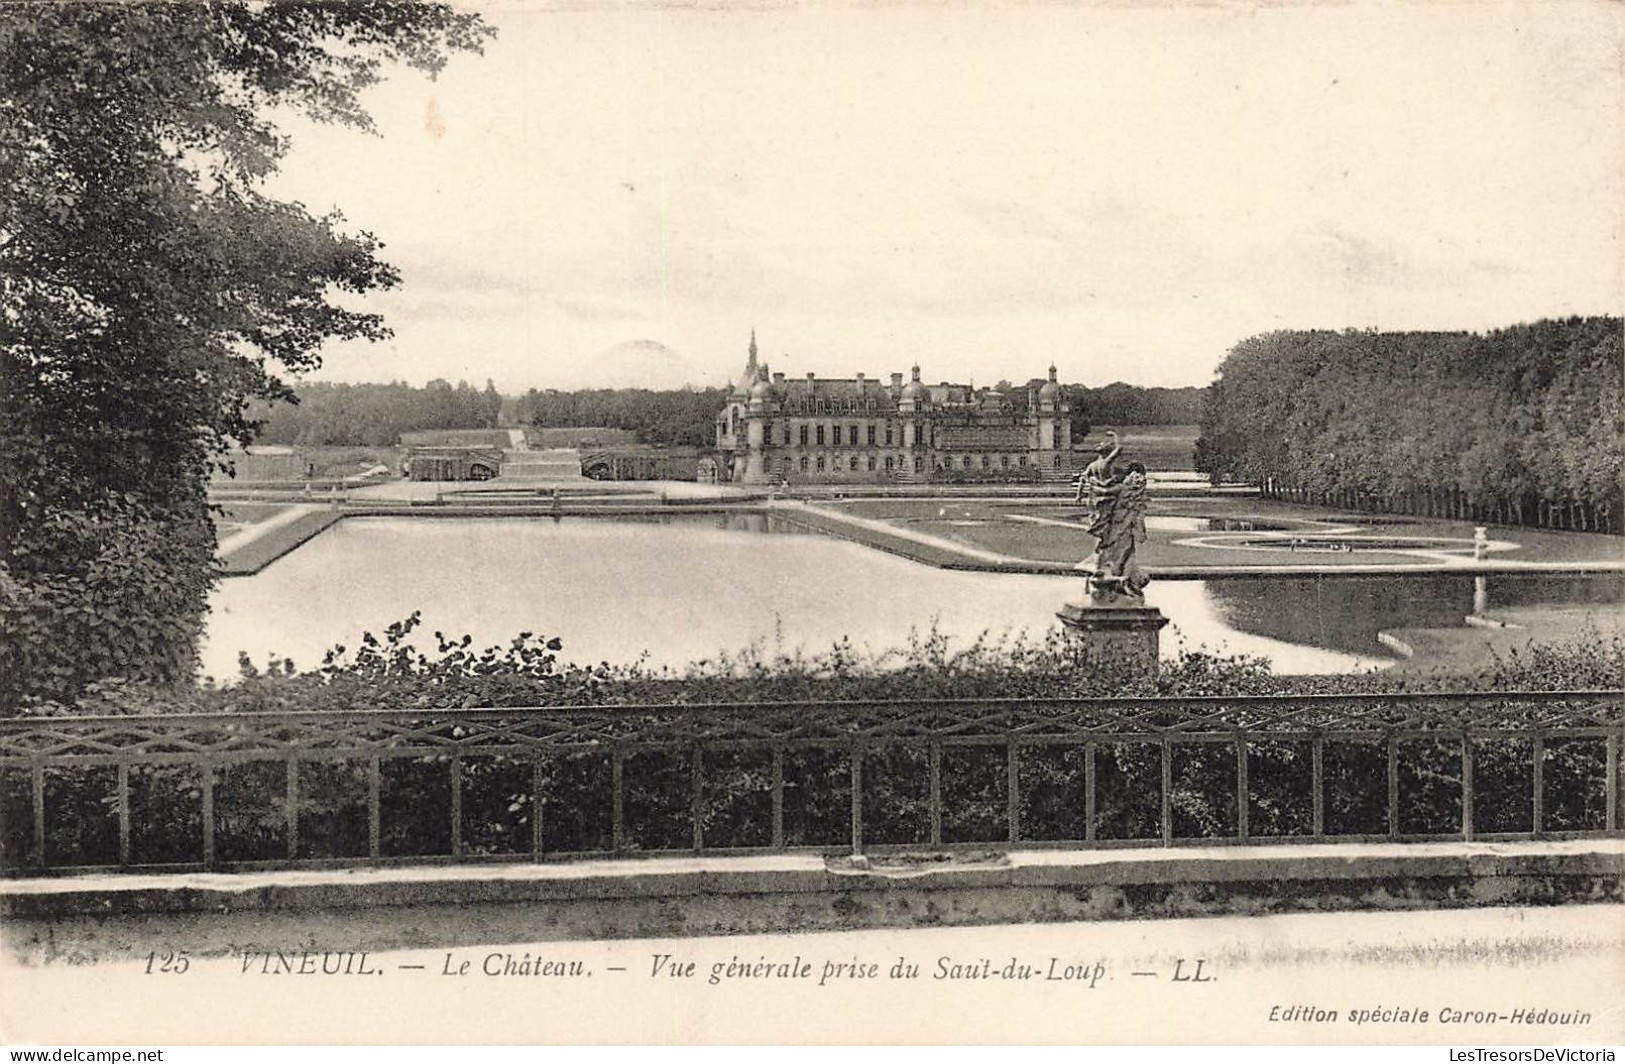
(1004, 461)
(852, 435)
(820, 463)
(871, 440)
(852, 463)
(871, 462)
(888, 434)
(804, 443)
(888, 463)
(919, 463)
(803, 463)
(820, 443)
(985, 462)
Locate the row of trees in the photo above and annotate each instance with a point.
(151, 290)
(1126, 404)
(686, 417)
(1116, 404)
(375, 415)
(681, 418)
(1523, 425)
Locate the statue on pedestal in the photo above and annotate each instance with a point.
(1118, 526)
(1115, 624)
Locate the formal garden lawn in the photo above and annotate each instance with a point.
(1237, 531)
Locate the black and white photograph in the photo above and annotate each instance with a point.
(729, 522)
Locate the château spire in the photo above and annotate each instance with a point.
(746, 379)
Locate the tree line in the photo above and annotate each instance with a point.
(1115, 404)
(1523, 425)
(1128, 404)
(375, 415)
(686, 417)
(678, 418)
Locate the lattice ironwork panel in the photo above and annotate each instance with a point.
(228, 737)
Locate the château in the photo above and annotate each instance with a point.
(864, 430)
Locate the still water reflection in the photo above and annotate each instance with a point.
(682, 589)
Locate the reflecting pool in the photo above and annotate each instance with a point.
(684, 588)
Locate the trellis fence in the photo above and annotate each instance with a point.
(239, 791)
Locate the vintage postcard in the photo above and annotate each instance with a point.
(694, 523)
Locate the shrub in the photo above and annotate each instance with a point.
(499, 805)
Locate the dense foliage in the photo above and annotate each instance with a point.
(375, 415)
(685, 417)
(151, 290)
(1523, 424)
(565, 797)
(393, 670)
(1127, 404)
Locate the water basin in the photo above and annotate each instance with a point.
(671, 590)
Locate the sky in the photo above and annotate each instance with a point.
(619, 195)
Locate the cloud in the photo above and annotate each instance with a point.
(433, 269)
(589, 308)
(464, 291)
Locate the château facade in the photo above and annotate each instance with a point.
(862, 429)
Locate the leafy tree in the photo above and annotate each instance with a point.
(151, 289)
(375, 415)
(1522, 424)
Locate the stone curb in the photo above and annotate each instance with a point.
(1500, 874)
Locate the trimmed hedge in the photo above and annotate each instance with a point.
(736, 809)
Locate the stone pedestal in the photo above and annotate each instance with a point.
(1117, 634)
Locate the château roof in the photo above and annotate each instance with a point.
(868, 394)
